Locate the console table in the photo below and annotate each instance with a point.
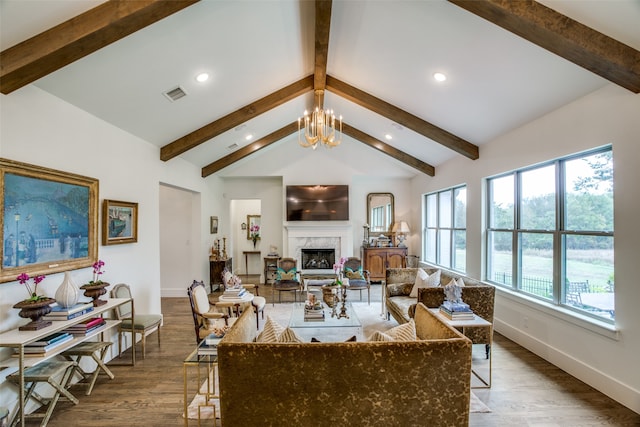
(18, 339)
(246, 259)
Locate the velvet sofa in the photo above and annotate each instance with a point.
(399, 383)
(399, 282)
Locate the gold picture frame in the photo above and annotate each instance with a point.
(213, 225)
(119, 222)
(49, 220)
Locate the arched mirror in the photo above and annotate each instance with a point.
(380, 212)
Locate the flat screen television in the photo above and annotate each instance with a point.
(317, 202)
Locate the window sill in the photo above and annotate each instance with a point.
(594, 325)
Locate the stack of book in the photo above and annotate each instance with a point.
(86, 326)
(234, 293)
(67, 313)
(42, 346)
(456, 310)
(313, 314)
(209, 345)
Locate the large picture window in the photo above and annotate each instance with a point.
(550, 232)
(445, 233)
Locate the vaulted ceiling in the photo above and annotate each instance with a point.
(507, 63)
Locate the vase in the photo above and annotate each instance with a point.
(95, 290)
(68, 293)
(34, 310)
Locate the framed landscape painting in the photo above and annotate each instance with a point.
(49, 220)
(119, 222)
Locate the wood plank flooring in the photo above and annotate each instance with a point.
(527, 391)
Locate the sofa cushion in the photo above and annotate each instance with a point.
(271, 331)
(399, 289)
(288, 335)
(404, 332)
(424, 280)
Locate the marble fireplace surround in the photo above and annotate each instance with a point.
(318, 235)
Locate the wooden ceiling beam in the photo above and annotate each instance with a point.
(388, 150)
(323, 25)
(402, 117)
(236, 118)
(584, 46)
(249, 149)
(78, 37)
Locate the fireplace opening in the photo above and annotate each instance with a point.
(318, 259)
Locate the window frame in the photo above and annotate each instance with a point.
(559, 234)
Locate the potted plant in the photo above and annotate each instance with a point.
(96, 287)
(35, 306)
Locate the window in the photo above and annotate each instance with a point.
(445, 234)
(550, 232)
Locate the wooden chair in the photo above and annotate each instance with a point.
(205, 316)
(359, 279)
(287, 279)
(144, 325)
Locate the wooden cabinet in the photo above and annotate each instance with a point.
(215, 271)
(377, 260)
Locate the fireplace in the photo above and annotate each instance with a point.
(318, 259)
(318, 237)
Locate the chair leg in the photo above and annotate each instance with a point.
(144, 339)
(119, 344)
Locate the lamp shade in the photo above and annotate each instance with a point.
(400, 227)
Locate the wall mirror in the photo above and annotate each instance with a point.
(380, 212)
(253, 227)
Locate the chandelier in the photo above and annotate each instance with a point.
(320, 127)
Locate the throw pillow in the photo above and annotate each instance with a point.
(354, 275)
(460, 282)
(404, 332)
(380, 336)
(271, 331)
(288, 335)
(424, 280)
(281, 274)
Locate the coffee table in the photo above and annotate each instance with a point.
(331, 329)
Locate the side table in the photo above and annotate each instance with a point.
(270, 269)
(477, 322)
(205, 364)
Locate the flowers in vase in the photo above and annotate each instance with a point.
(97, 271)
(338, 269)
(254, 233)
(33, 292)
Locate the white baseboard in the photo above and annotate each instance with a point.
(602, 382)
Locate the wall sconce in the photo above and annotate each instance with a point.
(244, 226)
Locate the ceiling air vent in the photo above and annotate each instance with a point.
(233, 146)
(175, 94)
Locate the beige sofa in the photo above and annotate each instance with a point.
(480, 297)
(424, 382)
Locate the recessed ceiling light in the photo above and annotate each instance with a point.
(439, 77)
(389, 137)
(249, 137)
(202, 77)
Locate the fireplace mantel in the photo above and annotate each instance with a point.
(319, 234)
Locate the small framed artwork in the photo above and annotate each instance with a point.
(253, 227)
(48, 220)
(214, 225)
(119, 222)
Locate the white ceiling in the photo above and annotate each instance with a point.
(390, 49)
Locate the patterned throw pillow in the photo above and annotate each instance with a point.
(288, 336)
(281, 274)
(354, 275)
(271, 331)
(424, 280)
(404, 332)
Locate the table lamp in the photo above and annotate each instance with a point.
(401, 229)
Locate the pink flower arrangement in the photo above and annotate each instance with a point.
(254, 232)
(97, 271)
(338, 267)
(24, 279)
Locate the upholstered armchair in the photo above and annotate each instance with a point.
(205, 316)
(287, 279)
(359, 279)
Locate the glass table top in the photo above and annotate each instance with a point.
(298, 321)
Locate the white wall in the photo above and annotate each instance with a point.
(38, 128)
(604, 359)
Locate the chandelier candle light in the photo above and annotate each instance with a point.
(320, 127)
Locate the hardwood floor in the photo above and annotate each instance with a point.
(526, 391)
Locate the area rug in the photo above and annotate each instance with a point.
(372, 320)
